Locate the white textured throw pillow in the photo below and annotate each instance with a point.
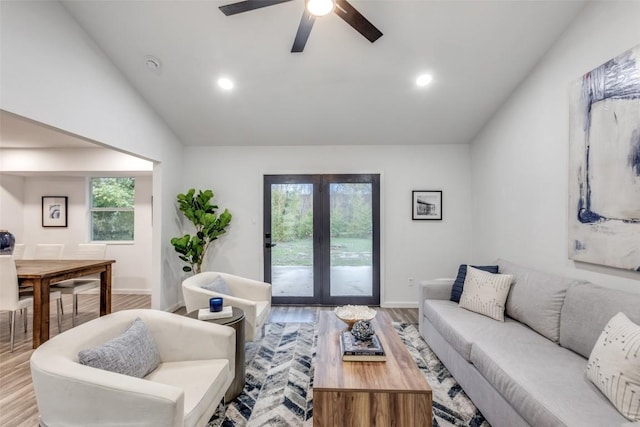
(614, 365)
(485, 293)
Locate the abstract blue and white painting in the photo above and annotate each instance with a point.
(604, 164)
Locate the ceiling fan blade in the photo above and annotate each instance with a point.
(354, 18)
(247, 5)
(304, 29)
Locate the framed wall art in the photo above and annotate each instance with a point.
(604, 168)
(426, 204)
(54, 211)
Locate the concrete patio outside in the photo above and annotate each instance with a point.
(298, 281)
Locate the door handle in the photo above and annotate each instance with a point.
(269, 245)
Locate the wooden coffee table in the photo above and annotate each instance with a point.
(365, 394)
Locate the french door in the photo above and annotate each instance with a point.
(322, 238)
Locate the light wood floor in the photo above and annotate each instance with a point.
(17, 399)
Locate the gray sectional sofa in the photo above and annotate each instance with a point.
(530, 369)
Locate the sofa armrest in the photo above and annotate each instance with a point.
(436, 288)
(432, 289)
(121, 398)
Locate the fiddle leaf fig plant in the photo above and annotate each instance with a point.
(198, 209)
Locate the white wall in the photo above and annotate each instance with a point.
(418, 249)
(132, 270)
(68, 160)
(11, 196)
(520, 159)
(64, 172)
(53, 73)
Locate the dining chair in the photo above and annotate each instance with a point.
(18, 251)
(12, 300)
(48, 251)
(45, 251)
(76, 286)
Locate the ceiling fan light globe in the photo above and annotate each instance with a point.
(424, 79)
(320, 7)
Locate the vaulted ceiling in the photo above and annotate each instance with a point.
(342, 89)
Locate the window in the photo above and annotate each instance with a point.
(112, 208)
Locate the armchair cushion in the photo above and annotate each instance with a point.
(195, 378)
(133, 353)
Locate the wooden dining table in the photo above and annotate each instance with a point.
(42, 273)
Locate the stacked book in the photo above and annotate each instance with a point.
(205, 314)
(355, 350)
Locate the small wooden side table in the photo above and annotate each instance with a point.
(236, 321)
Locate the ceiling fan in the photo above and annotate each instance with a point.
(342, 8)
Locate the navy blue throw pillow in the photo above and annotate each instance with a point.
(458, 285)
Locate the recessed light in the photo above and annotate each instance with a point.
(225, 83)
(424, 79)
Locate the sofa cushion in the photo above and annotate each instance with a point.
(485, 293)
(536, 298)
(614, 365)
(218, 285)
(133, 353)
(199, 379)
(460, 328)
(545, 383)
(586, 311)
(458, 285)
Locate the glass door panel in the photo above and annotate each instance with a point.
(292, 240)
(321, 239)
(351, 244)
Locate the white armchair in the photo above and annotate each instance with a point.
(252, 296)
(197, 365)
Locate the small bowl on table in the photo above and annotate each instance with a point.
(350, 314)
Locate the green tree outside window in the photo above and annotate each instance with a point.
(112, 209)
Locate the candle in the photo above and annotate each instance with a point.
(215, 304)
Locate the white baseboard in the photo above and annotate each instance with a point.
(399, 304)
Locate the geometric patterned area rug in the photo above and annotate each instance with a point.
(279, 381)
(451, 405)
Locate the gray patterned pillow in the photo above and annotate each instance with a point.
(614, 365)
(133, 353)
(218, 285)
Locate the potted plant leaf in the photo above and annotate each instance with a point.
(198, 209)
